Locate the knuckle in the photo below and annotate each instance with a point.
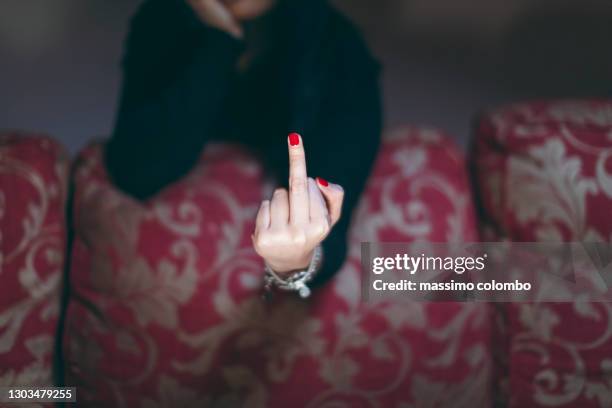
(298, 238)
(321, 228)
(261, 240)
(298, 184)
(279, 191)
(257, 246)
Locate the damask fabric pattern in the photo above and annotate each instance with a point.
(544, 173)
(33, 175)
(167, 312)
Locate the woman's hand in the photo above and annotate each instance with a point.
(215, 14)
(291, 225)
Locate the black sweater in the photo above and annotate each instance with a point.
(181, 89)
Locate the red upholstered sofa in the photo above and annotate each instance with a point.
(165, 310)
(543, 172)
(33, 183)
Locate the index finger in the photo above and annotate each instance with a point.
(298, 180)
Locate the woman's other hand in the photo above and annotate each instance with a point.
(291, 225)
(215, 14)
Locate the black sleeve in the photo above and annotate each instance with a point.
(348, 139)
(176, 73)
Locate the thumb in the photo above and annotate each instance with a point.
(334, 197)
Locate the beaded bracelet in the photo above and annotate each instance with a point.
(298, 280)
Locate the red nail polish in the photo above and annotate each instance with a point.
(322, 182)
(294, 139)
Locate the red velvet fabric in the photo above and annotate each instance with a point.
(544, 173)
(33, 175)
(166, 307)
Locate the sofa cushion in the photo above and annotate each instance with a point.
(33, 175)
(166, 307)
(543, 171)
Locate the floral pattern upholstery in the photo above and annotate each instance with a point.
(33, 180)
(543, 172)
(166, 308)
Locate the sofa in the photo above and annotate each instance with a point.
(158, 303)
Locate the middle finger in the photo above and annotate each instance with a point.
(298, 181)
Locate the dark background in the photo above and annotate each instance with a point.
(444, 60)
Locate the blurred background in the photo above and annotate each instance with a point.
(444, 60)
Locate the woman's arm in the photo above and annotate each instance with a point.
(293, 222)
(347, 148)
(176, 74)
(340, 118)
(347, 139)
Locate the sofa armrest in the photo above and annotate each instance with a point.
(33, 180)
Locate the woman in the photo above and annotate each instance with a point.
(252, 71)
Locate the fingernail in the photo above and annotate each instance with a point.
(322, 182)
(294, 139)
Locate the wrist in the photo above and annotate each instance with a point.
(297, 281)
(286, 268)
